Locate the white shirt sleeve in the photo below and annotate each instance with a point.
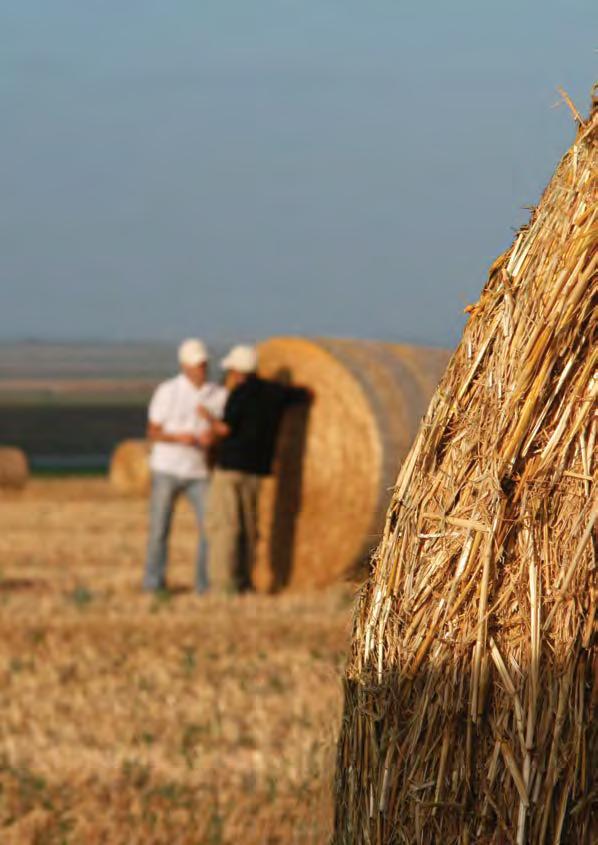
(159, 405)
(216, 401)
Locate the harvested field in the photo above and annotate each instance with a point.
(131, 719)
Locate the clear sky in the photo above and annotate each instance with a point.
(259, 167)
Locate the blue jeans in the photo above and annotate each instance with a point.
(165, 491)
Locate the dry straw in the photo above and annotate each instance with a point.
(14, 468)
(129, 468)
(322, 512)
(471, 691)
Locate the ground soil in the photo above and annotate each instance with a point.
(126, 718)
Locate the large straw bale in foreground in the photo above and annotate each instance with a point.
(14, 468)
(471, 692)
(129, 468)
(323, 510)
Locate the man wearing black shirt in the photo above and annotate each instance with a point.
(245, 442)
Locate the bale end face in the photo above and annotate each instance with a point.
(14, 468)
(322, 510)
(129, 468)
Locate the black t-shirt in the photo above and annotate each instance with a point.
(253, 413)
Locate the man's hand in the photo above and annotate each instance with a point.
(187, 439)
(217, 431)
(205, 414)
(156, 434)
(198, 441)
(206, 439)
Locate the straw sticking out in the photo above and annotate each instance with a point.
(489, 563)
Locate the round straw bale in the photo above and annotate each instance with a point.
(129, 468)
(14, 468)
(322, 510)
(471, 685)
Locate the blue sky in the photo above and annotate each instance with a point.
(242, 169)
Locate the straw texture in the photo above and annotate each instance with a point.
(14, 468)
(129, 468)
(472, 687)
(322, 512)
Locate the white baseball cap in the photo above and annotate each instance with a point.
(243, 359)
(192, 352)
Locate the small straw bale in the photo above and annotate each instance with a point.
(322, 511)
(14, 468)
(472, 686)
(129, 468)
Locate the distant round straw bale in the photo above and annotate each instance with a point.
(129, 468)
(323, 509)
(14, 468)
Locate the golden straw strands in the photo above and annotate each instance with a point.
(471, 692)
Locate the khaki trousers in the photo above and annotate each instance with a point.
(231, 527)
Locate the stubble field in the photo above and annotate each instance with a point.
(126, 718)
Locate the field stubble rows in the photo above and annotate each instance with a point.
(130, 719)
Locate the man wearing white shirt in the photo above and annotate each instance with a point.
(180, 437)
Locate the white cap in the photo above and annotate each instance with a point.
(192, 352)
(242, 359)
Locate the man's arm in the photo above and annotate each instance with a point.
(213, 411)
(157, 417)
(297, 395)
(218, 428)
(290, 395)
(156, 434)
